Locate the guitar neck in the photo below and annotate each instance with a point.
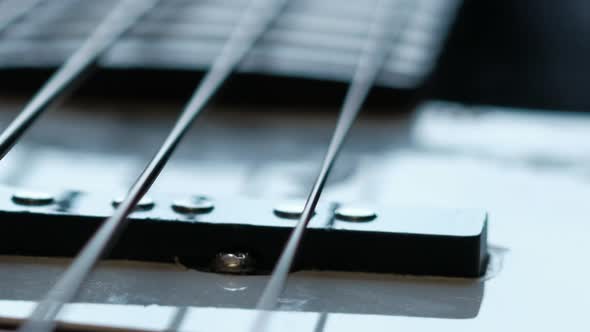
(311, 40)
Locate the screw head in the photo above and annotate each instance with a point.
(33, 198)
(289, 209)
(193, 205)
(233, 262)
(354, 213)
(144, 204)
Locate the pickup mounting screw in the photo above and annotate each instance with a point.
(233, 263)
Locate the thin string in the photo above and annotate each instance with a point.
(121, 18)
(24, 7)
(371, 60)
(252, 24)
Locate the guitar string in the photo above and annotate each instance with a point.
(73, 70)
(371, 60)
(252, 24)
(19, 13)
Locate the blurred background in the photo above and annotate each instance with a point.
(501, 57)
(526, 53)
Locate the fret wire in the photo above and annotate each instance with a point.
(368, 67)
(18, 14)
(251, 25)
(73, 71)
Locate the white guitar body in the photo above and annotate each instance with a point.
(528, 170)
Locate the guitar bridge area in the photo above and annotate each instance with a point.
(237, 235)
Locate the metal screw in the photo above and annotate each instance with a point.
(193, 205)
(32, 198)
(353, 213)
(289, 209)
(234, 263)
(145, 203)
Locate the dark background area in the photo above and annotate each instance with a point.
(529, 53)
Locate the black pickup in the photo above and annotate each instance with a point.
(420, 241)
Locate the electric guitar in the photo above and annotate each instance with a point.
(283, 208)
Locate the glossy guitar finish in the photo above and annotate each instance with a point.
(535, 194)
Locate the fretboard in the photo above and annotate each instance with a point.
(313, 39)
